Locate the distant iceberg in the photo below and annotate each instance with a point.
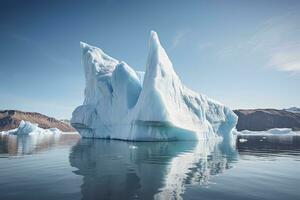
(28, 128)
(121, 103)
(271, 132)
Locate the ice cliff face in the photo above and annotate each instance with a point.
(121, 103)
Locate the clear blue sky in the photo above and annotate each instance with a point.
(245, 54)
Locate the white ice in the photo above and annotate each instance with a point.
(274, 132)
(121, 103)
(242, 140)
(28, 128)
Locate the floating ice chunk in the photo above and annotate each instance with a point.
(242, 140)
(28, 128)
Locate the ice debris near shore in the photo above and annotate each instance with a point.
(271, 132)
(121, 103)
(28, 128)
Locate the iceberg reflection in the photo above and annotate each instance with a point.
(146, 170)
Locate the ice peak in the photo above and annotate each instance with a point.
(83, 45)
(154, 40)
(158, 60)
(86, 48)
(94, 58)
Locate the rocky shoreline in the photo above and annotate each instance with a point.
(10, 119)
(265, 119)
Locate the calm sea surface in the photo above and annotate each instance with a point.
(67, 167)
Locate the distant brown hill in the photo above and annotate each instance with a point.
(10, 119)
(265, 119)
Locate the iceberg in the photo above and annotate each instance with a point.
(121, 103)
(28, 128)
(270, 132)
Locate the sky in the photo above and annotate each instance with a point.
(245, 54)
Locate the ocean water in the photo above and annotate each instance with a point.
(67, 167)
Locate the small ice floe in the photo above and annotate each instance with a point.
(132, 147)
(242, 140)
(70, 133)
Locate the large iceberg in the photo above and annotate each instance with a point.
(121, 103)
